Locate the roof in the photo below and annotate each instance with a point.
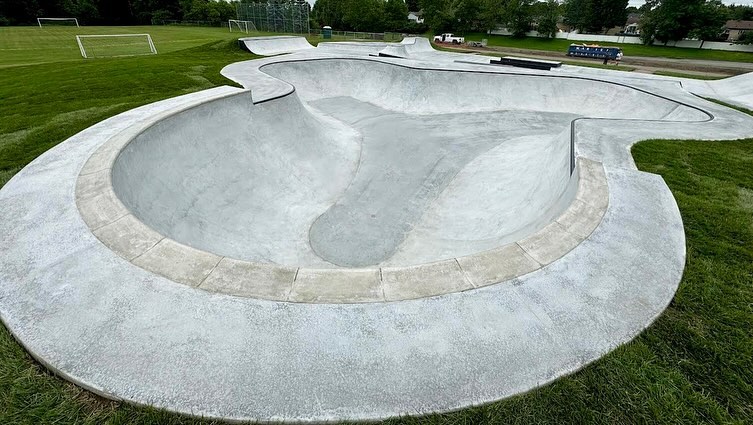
(739, 25)
(419, 13)
(633, 18)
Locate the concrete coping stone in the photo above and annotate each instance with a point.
(114, 225)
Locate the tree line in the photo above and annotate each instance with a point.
(671, 20)
(116, 12)
(366, 15)
(462, 16)
(662, 20)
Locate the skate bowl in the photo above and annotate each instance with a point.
(387, 177)
(350, 237)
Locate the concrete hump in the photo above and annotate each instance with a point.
(275, 45)
(408, 47)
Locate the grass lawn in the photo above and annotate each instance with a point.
(694, 365)
(739, 108)
(684, 75)
(559, 45)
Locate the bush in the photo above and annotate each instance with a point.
(412, 28)
(746, 38)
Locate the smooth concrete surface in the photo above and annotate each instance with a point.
(275, 45)
(736, 90)
(142, 246)
(405, 181)
(506, 323)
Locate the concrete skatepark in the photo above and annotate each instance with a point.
(352, 236)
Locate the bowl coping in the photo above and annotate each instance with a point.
(114, 225)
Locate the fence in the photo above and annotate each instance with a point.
(591, 38)
(355, 35)
(189, 23)
(276, 17)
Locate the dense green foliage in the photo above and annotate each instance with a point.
(364, 15)
(670, 20)
(519, 16)
(118, 12)
(595, 15)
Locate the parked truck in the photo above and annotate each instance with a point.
(449, 38)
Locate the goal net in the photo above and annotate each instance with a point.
(57, 21)
(242, 26)
(114, 45)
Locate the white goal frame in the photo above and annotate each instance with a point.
(243, 26)
(39, 20)
(148, 38)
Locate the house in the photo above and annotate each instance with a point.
(632, 26)
(417, 17)
(735, 29)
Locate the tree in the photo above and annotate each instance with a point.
(491, 14)
(710, 18)
(395, 14)
(746, 38)
(609, 14)
(517, 16)
(547, 14)
(577, 13)
(671, 20)
(364, 15)
(86, 11)
(329, 12)
(740, 12)
(18, 12)
(466, 14)
(595, 15)
(439, 15)
(413, 5)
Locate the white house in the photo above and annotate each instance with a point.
(416, 17)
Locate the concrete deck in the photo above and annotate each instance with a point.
(104, 294)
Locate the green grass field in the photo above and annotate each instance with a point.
(694, 365)
(558, 45)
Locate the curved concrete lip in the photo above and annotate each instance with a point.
(122, 231)
(125, 332)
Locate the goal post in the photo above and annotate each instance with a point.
(115, 45)
(72, 21)
(240, 25)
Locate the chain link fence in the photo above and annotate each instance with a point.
(354, 35)
(276, 17)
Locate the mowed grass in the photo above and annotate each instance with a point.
(33, 45)
(560, 45)
(685, 75)
(694, 365)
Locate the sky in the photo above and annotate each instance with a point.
(638, 3)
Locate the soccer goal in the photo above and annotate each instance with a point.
(57, 21)
(114, 45)
(242, 26)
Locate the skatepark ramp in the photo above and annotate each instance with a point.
(367, 163)
(736, 90)
(410, 46)
(274, 45)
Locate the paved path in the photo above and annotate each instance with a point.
(641, 63)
